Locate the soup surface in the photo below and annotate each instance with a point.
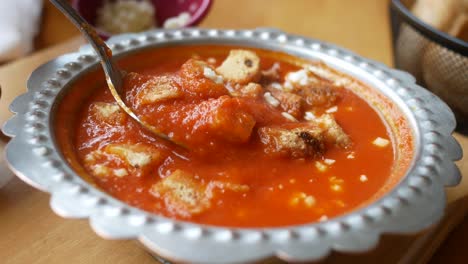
(268, 139)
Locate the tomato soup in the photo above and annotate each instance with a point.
(262, 139)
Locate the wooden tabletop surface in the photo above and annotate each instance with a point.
(359, 25)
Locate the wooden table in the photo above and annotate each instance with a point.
(31, 233)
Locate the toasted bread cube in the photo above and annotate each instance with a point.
(333, 132)
(319, 95)
(121, 160)
(101, 170)
(137, 156)
(289, 102)
(98, 163)
(251, 90)
(227, 186)
(109, 113)
(299, 142)
(199, 79)
(229, 120)
(182, 194)
(241, 66)
(158, 89)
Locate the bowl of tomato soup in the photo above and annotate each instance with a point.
(281, 146)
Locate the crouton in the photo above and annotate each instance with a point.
(318, 95)
(251, 90)
(333, 132)
(234, 126)
(227, 186)
(199, 79)
(99, 165)
(182, 194)
(109, 113)
(228, 119)
(101, 170)
(241, 66)
(121, 160)
(137, 156)
(298, 78)
(300, 142)
(289, 102)
(158, 89)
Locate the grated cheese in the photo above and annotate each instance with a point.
(211, 60)
(101, 170)
(120, 172)
(294, 201)
(351, 155)
(287, 86)
(329, 161)
(309, 201)
(323, 218)
(339, 203)
(271, 100)
(309, 116)
(333, 109)
(289, 116)
(301, 197)
(299, 77)
(276, 85)
(363, 178)
(381, 142)
(211, 74)
(336, 184)
(320, 166)
(336, 187)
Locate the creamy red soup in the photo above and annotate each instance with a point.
(263, 139)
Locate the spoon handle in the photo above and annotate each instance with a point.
(103, 51)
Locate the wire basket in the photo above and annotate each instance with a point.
(437, 60)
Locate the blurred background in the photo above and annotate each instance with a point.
(337, 21)
(424, 37)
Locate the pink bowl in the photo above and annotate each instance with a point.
(164, 9)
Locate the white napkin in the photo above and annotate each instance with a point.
(19, 23)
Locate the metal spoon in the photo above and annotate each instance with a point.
(113, 74)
